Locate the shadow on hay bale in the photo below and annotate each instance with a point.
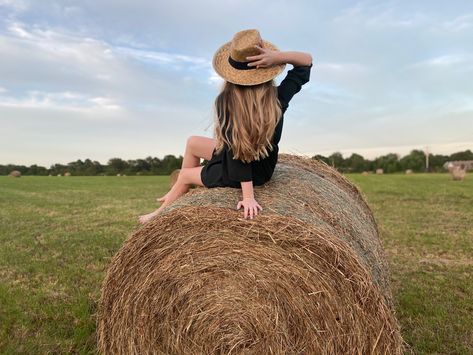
(308, 275)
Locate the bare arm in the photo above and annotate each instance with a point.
(269, 57)
(248, 202)
(247, 189)
(294, 58)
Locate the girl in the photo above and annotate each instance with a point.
(249, 120)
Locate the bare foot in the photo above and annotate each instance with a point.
(162, 198)
(146, 217)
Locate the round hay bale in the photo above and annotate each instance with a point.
(458, 174)
(15, 173)
(307, 275)
(173, 177)
(365, 173)
(409, 172)
(119, 174)
(379, 171)
(59, 175)
(67, 174)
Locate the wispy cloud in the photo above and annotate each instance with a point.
(65, 101)
(459, 23)
(14, 5)
(448, 60)
(162, 57)
(380, 15)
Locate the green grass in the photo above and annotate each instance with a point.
(57, 236)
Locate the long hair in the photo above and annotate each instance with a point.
(246, 117)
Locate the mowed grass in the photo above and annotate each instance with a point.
(58, 234)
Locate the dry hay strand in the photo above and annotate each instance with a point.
(15, 173)
(308, 275)
(173, 177)
(458, 174)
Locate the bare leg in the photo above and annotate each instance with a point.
(197, 147)
(187, 177)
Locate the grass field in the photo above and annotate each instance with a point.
(57, 236)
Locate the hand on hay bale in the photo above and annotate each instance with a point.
(250, 207)
(308, 277)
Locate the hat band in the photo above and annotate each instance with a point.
(239, 65)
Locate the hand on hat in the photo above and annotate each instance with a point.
(266, 58)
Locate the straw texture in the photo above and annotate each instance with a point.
(308, 275)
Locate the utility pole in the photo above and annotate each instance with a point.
(427, 153)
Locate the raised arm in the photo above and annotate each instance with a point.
(297, 59)
(269, 57)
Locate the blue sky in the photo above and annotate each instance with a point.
(100, 78)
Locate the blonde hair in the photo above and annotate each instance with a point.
(246, 118)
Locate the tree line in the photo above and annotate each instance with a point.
(416, 161)
(355, 163)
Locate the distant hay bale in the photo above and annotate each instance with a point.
(15, 173)
(365, 173)
(458, 174)
(409, 171)
(59, 175)
(67, 174)
(119, 174)
(308, 275)
(379, 171)
(173, 177)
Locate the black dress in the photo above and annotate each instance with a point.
(224, 171)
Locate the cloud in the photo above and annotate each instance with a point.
(459, 23)
(162, 57)
(383, 16)
(447, 60)
(94, 108)
(14, 5)
(382, 71)
(69, 62)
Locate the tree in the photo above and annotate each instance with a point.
(336, 160)
(466, 155)
(116, 166)
(356, 163)
(389, 163)
(415, 161)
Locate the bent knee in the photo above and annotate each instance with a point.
(192, 141)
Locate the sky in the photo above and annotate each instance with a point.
(112, 78)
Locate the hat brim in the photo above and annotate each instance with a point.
(244, 77)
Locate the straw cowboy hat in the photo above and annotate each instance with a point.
(231, 64)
